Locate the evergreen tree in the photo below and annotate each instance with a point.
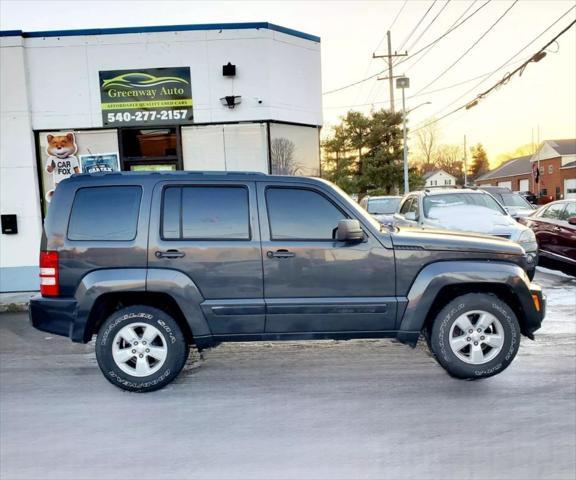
(364, 154)
(480, 164)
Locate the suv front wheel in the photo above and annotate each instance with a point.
(140, 348)
(475, 336)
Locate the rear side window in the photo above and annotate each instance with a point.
(205, 213)
(105, 213)
(298, 214)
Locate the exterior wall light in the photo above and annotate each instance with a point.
(231, 101)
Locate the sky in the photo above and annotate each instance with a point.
(542, 100)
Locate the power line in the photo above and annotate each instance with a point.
(433, 45)
(430, 92)
(429, 25)
(534, 58)
(446, 33)
(394, 21)
(413, 55)
(507, 62)
(380, 43)
(445, 71)
(417, 25)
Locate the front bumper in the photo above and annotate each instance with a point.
(534, 310)
(55, 315)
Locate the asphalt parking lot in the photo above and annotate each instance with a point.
(338, 410)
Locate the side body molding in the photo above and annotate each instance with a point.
(436, 276)
(188, 297)
(100, 282)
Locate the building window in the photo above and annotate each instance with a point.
(294, 150)
(65, 152)
(542, 170)
(543, 192)
(149, 149)
(550, 169)
(235, 147)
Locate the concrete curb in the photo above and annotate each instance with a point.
(15, 302)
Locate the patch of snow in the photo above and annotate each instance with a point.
(554, 272)
(470, 218)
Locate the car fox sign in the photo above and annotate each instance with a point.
(149, 96)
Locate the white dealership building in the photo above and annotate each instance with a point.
(243, 96)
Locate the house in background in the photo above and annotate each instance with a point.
(556, 163)
(439, 178)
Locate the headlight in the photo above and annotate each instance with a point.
(528, 240)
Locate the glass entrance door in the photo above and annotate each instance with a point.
(151, 149)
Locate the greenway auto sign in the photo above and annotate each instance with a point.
(148, 96)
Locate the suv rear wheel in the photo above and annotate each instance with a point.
(475, 336)
(141, 348)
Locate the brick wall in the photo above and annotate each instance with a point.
(551, 179)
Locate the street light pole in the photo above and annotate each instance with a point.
(406, 182)
(404, 83)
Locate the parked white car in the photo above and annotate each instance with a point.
(514, 203)
(465, 210)
(382, 208)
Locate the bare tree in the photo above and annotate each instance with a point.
(282, 157)
(450, 159)
(427, 139)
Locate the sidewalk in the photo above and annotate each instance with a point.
(15, 302)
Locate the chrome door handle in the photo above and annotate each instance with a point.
(169, 254)
(280, 254)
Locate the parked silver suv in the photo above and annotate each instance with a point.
(465, 210)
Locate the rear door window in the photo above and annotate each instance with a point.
(205, 213)
(105, 213)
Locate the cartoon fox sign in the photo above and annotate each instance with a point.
(61, 162)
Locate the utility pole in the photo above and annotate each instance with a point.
(390, 76)
(465, 164)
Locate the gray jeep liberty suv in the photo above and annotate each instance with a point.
(152, 263)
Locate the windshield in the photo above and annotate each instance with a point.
(382, 206)
(513, 200)
(464, 198)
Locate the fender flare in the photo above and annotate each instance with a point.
(173, 283)
(97, 283)
(435, 276)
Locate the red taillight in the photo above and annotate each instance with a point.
(49, 283)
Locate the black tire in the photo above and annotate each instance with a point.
(171, 341)
(441, 331)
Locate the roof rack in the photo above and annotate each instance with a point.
(173, 172)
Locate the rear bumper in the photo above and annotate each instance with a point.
(56, 316)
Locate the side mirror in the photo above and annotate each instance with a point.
(411, 216)
(349, 231)
(572, 220)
